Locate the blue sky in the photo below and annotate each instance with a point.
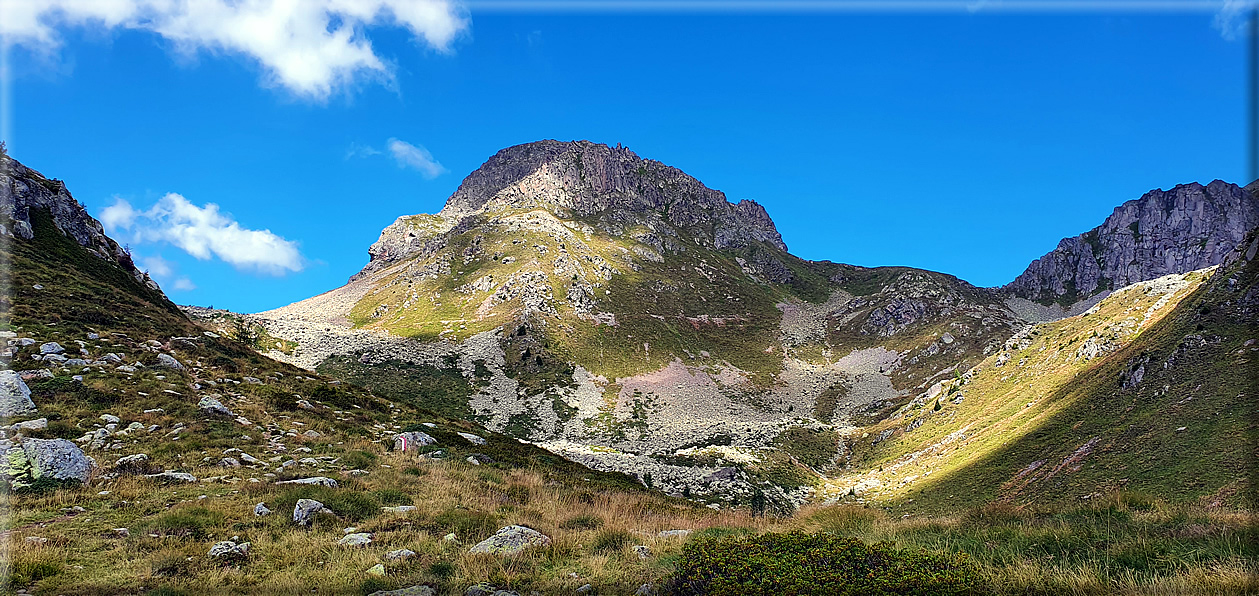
(963, 142)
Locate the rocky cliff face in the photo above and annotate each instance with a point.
(610, 186)
(24, 191)
(1183, 229)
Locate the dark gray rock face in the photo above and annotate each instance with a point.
(581, 178)
(1188, 227)
(23, 190)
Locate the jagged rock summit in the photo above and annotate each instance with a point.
(612, 186)
(25, 193)
(1183, 229)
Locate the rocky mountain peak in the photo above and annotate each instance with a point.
(609, 187)
(25, 193)
(1189, 227)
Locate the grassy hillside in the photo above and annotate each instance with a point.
(1151, 392)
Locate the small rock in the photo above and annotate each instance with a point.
(450, 537)
(311, 434)
(110, 419)
(51, 347)
(261, 510)
(642, 551)
(319, 480)
(585, 589)
(481, 589)
(209, 405)
(645, 590)
(400, 554)
(674, 533)
(471, 438)
(133, 464)
(356, 539)
(36, 540)
(416, 590)
(511, 540)
(1182, 429)
(170, 477)
(377, 570)
(398, 509)
(229, 550)
(37, 424)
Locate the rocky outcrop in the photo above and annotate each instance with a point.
(580, 179)
(1186, 228)
(27, 460)
(23, 191)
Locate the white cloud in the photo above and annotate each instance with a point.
(1232, 19)
(205, 233)
(357, 150)
(157, 266)
(415, 157)
(310, 47)
(120, 215)
(164, 272)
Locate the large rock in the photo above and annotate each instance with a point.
(51, 347)
(511, 540)
(213, 407)
(411, 441)
(168, 361)
(15, 396)
(305, 510)
(56, 459)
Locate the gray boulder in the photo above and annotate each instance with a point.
(511, 540)
(400, 554)
(134, 464)
(57, 459)
(51, 347)
(305, 510)
(29, 425)
(15, 396)
(412, 441)
(214, 407)
(356, 539)
(168, 361)
(229, 550)
(261, 510)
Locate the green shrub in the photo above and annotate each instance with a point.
(442, 569)
(392, 496)
(464, 523)
(359, 460)
(192, 522)
(582, 522)
(611, 541)
(816, 564)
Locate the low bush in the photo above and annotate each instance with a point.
(808, 564)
